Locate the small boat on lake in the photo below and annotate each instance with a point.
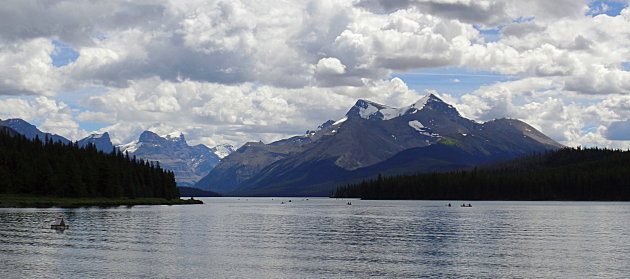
(59, 224)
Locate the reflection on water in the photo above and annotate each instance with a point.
(320, 238)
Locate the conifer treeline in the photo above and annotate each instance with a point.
(46, 168)
(565, 174)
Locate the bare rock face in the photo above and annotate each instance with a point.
(102, 142)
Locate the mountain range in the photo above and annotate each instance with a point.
(30, 131)
(189, 163)
(371, 140)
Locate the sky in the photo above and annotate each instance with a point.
(235, 71)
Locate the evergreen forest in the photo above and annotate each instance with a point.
(44, 168)
(580, 174)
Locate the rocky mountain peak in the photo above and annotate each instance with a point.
(148, 136)
(222, 150)
(30, 131)
(367, 110)
(374, 111)
(102, 142)
(151, 137)
(175, 137)
(189, 163)
(436, 104)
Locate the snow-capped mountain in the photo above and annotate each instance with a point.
(428, 135)
(222, 150)
(102, 142)
(30, 131)
(189, 163)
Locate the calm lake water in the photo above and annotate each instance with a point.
(320, 238)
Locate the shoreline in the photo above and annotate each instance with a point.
(16, 201)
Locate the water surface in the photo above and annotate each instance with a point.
(320, 238)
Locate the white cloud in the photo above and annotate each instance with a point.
(235, 114)
(330, 66)
(244, 70)
(566, 117)
(26, 68)
(54, 117)
(94, 116)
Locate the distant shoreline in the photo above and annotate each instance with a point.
(16, 201)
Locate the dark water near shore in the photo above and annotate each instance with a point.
(320, 238)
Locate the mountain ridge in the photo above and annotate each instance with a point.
(189, 163)
(371, 134)
(30, 131)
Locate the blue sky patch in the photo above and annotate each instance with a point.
(63, 54)
(610, 8)
(452, 80)
(76, 100)
(625, 66)
(490, 35)
(92, 126)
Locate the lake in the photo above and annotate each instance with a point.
(320, 238)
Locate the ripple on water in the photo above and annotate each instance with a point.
(320, 238)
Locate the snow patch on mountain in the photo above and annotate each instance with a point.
(366, 112)
(340, 121)
(416, 125)
(130, 147)
(174, 136)
(391, 113)
(223, 150)
(419, 105)
(368, 109)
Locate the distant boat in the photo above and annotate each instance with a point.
(59, 224)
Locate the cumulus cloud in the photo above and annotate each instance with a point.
(291, 45)
(330, 66)
(216, 113)
(52, 116)
(566, 117)
(245, 70)
(26, 68)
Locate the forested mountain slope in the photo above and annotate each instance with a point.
(565, 174)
